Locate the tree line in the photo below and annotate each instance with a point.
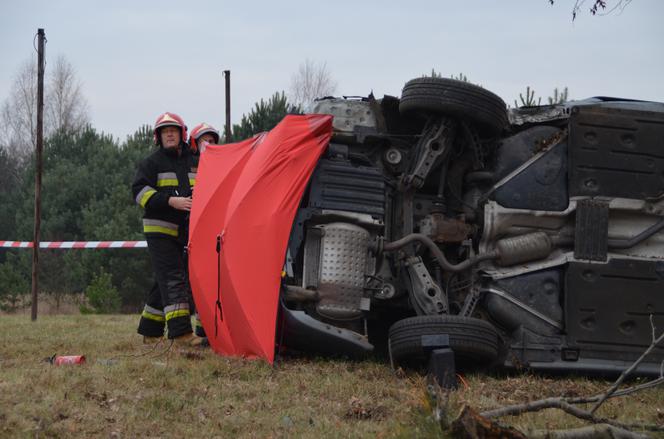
(85, 195)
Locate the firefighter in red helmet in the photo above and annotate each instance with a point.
(163, 187)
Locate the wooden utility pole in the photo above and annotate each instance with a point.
(38, 169)
(227, 76)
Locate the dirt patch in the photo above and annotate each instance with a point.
(362, 410)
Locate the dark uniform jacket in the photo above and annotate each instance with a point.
(161, 175)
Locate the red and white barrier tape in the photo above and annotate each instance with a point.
(75, 244)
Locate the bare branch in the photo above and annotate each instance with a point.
(563, 405)
(625, 374)
(620, 7)
(19, 111)
(576, 8)
(623, 392)
(471, 424)
(65, 106)
(310, 82)
(597, 7)
(566, 404)
(598, 431)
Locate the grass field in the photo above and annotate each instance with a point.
(126, 390)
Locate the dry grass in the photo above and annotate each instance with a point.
(49, 304)
(170, 395)
(487, 392)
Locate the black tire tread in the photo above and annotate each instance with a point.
(471, 339)
(455, 98)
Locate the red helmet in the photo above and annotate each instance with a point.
(198, 131)
(169, 119)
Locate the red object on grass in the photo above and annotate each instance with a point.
(59, 360)
(245, 199)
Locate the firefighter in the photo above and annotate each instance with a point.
(163, 187)
(201, 134)
(200, 137)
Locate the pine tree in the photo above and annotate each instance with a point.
(558, 97)
(529, 100)
(264, 116)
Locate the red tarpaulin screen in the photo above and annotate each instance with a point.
(245, 199)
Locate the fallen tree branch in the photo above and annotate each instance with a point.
(563, 405)
(470, 424)
(598, 431)
(566, 404)
(627, 391)
(625, 374)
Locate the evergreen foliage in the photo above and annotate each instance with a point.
(86, 196)
(264, 116)
(433, 74)
(529, 100)
(9, 181)
(14, 285)
(558, 97)
(102, 295)
(460, 77)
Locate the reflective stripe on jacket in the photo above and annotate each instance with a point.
(161, 175)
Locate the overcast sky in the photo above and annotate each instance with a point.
(137, 59)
